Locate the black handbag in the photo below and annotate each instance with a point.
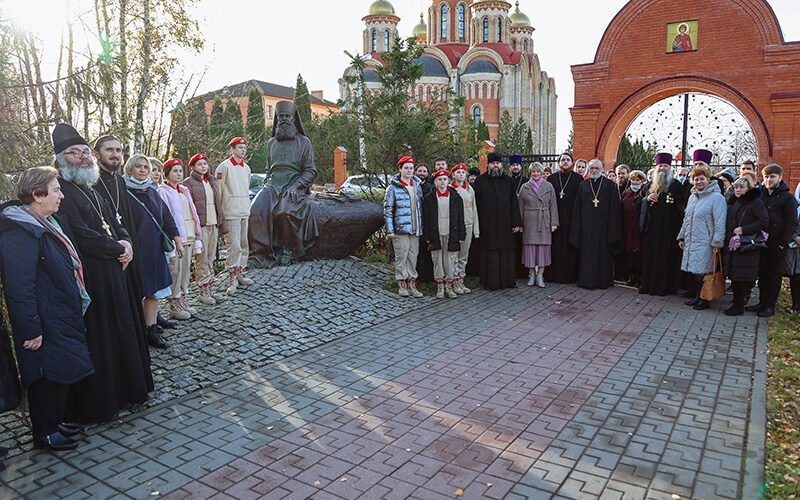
(167, 243)
(752, 242)
(10, 389)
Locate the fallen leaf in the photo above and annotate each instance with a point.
(343, 479)
(489, 484)
(270, 427)
(355, 397)
(155, 493)
(317, 483)
(233, 414)
(676, 497)
(459, 492)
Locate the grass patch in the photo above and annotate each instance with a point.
(782, 475)
(429, 289)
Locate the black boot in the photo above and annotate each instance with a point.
(3, 451)
(754, 309)
(154, 337)
(55, 441)
(702, 304)
(68, 430)
(164, 323)
(739, 296)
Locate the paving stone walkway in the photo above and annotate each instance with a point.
(525, 393)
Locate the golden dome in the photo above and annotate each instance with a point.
(519, 20)
(381, 8)
(421, 29)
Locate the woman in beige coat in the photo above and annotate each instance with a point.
(537, 205)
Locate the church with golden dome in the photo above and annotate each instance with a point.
(481, 49)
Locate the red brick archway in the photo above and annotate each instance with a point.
(741, 57)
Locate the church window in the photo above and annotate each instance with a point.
(461, 20)
(476, 115)
(444, 22)
(485, 30)
(386, 41)
(374, 41)
(499, 31)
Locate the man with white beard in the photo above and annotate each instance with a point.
(596, 228)
(115, 326)
(661, 218)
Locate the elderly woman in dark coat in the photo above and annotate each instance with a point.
(150, 217)
(747, 216)
(46, 297)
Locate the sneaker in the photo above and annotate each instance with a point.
(448, 290)
(412, 289)
(176, 311)
(402, 288)
(540, 280)
(532, 280)
(205, 296)
(233, 283)
(243, 280)
(186, 306)
(463, 286)
(439, 290)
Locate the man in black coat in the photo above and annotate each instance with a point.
(515, 171)
(782, 208)
(565, 266)
(498, 212)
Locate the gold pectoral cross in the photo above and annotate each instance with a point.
(107, 228)
(596, 202)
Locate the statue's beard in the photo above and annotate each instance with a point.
(286, 132)
(495, 172)
(83, 176)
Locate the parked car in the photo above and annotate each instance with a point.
(365, 183)
(256, 181)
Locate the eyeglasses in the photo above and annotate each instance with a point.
(78, 154)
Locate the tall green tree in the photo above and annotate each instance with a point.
(181, 135)
(482, 132)
(636, 154)
(216, 124)
(233, 119)
(256, 129)
(302, 98)
(529, 141)
(512, 137)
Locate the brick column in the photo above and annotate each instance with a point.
(786, 150)
(585, 131)
(488, 147)
(339, 166)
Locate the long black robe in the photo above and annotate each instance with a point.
(520, 270)
(597, 232)
(621, 264)
(111, 187)
(660, 223)
(565, 266)
(498, 213)
(115, 329)
(424, 258)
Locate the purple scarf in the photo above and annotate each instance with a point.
(537, 184)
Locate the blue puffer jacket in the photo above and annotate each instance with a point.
(397, 207)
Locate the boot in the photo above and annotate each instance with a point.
(702, 304)
(532, 278)
(205, 296)
(448, 290)
(186, 306)
(154, 338)
(458, 287)
(737, 308)
(402, 288)
(164, 323)
(232, 282)
(243, 280)
(540, 277)
(218, 297)
(439, 289)
(55, 442)
(176, 311)
(412, 289)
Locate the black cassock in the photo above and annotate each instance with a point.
(498, 213)
(115, 329)
(112, 188)
(565, 265)
(661, 257)
(520, 269)
(597, 232)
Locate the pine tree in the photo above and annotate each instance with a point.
(197, 125)
(504, 135)
(181, 147)
(529, 141)
(483, 131)
(302, 98)
(233, 119)
(216, 126)
(256, 129)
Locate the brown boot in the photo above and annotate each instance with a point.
(440, 289)
(448, 290)
(402, 288)
(412, 289)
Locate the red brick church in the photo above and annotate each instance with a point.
(484, 51)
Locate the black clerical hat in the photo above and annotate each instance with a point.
(64, 136)
(494, 157)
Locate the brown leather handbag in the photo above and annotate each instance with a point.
(714, 280)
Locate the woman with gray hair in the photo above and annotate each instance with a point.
(539, 211)
(152, 222)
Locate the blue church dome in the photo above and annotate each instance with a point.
(481, 66)
(432, 66)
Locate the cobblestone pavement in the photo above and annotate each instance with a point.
(525, 393)
(288, 310)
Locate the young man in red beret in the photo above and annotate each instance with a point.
(444, 231)
(233, 182)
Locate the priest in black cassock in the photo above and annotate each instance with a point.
(499, 211)
(661, 218)
(564, 268)
(515, 172)
(115, 329)
(596, 228)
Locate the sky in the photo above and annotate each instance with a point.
(274, 40)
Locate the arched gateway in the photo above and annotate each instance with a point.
(654, 49)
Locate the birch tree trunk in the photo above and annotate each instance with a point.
(123, 74)
(144, 82)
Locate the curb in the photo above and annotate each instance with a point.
(753, 467)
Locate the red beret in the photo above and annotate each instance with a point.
(441, 172)
(172, 163)
(196, 158)
(459, 166)
(405, 159)
(237, 140)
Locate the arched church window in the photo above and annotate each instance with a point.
(444, 22)
(499, 31)
(485, 30)
(476, 115)
(374, 41)
(386, 41)
(461, 20)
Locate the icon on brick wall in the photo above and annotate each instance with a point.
(682, 36)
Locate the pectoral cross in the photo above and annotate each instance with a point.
(596, 202)
(119, 218)
(107, 228)
(561, 194)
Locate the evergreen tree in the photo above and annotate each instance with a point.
(302, 98)
(233, 119)
(529, 141)
(181, 147)
(635, 154)
(197, 125)
(504, 135)
(570, 140)
(216, 125)
(256, 129)
(482, 132)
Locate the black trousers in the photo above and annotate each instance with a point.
(794, 284)
(769, 278)
(46, 402)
